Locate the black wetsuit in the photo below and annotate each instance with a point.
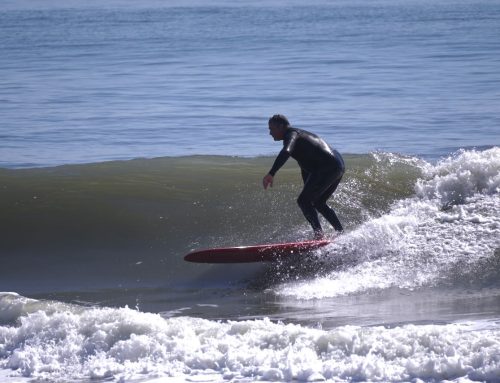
(322, 169)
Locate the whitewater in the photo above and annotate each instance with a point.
(124, 344)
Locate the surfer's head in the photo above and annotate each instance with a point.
(278, 124)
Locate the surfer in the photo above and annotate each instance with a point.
(322, 169)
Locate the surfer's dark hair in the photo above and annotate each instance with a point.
(280, 120)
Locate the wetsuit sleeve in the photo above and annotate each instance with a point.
(288, 145)
(279, 161)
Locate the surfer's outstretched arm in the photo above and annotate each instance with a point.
(283, 156)
(280, 130)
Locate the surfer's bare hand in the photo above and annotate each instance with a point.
(267, 181)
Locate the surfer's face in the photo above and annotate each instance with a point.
(277, 131)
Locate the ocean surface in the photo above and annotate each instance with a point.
(134, 132)
(94, 81)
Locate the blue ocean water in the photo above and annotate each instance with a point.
(86, 82)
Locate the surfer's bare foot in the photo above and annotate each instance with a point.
(318, 236)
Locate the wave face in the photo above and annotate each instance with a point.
(120, 222)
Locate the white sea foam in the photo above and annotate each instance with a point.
(450, 226)
(455, 179)
(124, 344)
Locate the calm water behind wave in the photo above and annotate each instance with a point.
(86, 83)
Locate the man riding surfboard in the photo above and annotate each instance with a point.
(322, 169)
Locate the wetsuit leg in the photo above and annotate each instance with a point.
(318, 188)
(311, 214)
(325, 210)
(313, 187)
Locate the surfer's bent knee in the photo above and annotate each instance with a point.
(303, 201)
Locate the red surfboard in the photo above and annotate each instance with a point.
(259, 253)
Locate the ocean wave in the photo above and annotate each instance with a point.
(124, 344)
(117, 223)
(409, 223)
